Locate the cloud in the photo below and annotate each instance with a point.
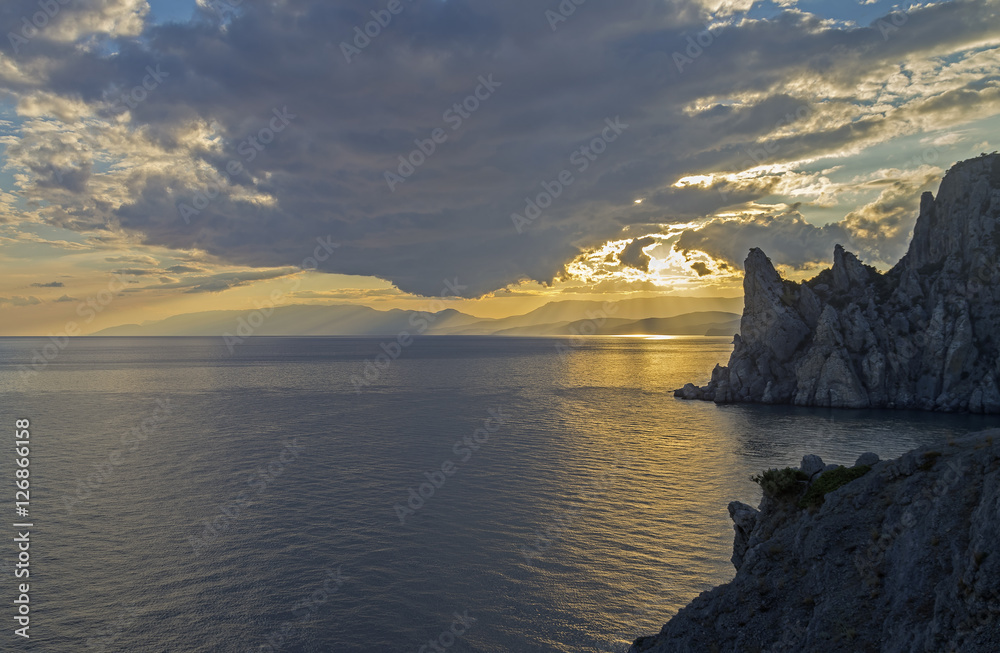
(142, 260)
(633, 256)
(614, 286)
(181, 269)
(67, 298)
(220, 282)
(51, 284)
(136, 272)
(20, 301)
(73, 23)
(22, 237)
(701, 268)
(879, 231)
(83, 164)
(349, 293)
(883, 227)
(786, 237)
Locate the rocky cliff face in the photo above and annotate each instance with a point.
(902, 559)
(924, 335)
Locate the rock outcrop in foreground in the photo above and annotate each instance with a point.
(902, 559)
(924, 335)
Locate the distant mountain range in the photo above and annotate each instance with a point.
(688, 324)
(653, 316)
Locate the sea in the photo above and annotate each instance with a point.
(361, 494)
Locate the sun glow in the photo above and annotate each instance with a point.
(701, 181)
(659, 266)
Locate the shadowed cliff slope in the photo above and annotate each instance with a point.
(900, 556)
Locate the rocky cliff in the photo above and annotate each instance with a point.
(895, 556)
(924, 335)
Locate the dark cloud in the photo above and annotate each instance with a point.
(181, 269)
(701, 268)
(144, 260)
(20, 301)
(787, 238)
(323, 174)
(218, 282)
(633, 256)
(348, 293)
(136, 272)
(51, 284)
(67, 298)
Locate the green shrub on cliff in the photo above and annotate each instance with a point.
(830, 481)
(780, 483)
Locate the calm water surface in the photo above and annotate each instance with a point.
(591, 514)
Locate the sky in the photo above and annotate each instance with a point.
(171, 156)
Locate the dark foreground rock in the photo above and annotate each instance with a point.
(924, 335)
(902, 559)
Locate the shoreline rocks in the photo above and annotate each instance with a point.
(900, 556)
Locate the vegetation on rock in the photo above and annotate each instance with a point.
(781, 483)
(830, 481)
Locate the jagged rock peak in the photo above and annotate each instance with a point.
(925, 335)
(847, 270)
(962, 219)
